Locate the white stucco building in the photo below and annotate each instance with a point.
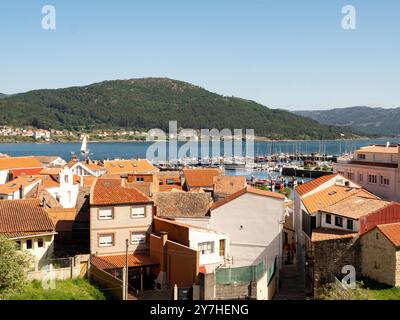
(66, 192)
(253, 220)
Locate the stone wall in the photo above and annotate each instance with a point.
(329, 257)
(380, 260)
(232, 291)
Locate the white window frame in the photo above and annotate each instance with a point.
(138, 215)
(106, 217)
(106, 244)
(207, 247)
(141, 238)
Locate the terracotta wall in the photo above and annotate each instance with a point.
(182, 265)
(180, 262)
(177, 233)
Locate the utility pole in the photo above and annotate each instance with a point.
(126, 270)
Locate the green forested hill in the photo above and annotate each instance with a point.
(373, 121)
(142, 104)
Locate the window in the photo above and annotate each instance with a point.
(361, 156)
(106, 214)
(66, 179)
(106, 240)
(350, 175)
(19, 244)
(339, 221)
(328, 219)
(140, 179)
(138, 238)
(40, 243)
(138, 212)
(361, 177)
(349, 224)
(372, 178)
(170, 181)
(385, 181)
(377, 236)
(29, 244)
(341, 173)
(206, 247)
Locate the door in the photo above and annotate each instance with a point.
(83, 267)
(222, 248)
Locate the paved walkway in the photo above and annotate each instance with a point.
(292, 284)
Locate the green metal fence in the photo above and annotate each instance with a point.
(245, 274)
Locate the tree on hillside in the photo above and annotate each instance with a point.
(13, 265)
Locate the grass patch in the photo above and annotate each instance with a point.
(75, 289)
(379, 291)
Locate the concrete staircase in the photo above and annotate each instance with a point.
(292, 284)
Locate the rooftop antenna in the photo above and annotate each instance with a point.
(84, 148)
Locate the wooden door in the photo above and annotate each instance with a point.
(222, 248)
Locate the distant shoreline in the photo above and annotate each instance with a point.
(258, 139)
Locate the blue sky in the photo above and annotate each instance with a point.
(282, 53)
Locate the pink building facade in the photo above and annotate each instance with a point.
(376, 168)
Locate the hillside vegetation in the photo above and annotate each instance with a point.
(142, 104)
(365, 120)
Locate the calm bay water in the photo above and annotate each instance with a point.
(129, 150)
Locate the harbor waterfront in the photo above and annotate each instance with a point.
(131, 150)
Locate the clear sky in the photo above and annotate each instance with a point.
(290, 54)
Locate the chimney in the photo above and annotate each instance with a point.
(164, 239)
(387, 144)
(21, 192)
(43, 202)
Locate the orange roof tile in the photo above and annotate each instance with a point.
(392, 232)
(311, 185)
(14, 185)
(51, 171)
(107, 191)
(379, 149)
(19, 163)
(63, 219)
(200, 177)
(326, 234)
(19, 218)
(356, 206)
(129, 166)
(331, 195)
(119, 261)
(229, 184)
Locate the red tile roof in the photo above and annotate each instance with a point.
(19, 163)
(247, 190)
(331, 195)
(20, 218)
(386, 215)
(119, 261)
(326, 234)
(392, 232)
(311, 185)
(109, 191)
(200, 177)
(25, 172)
